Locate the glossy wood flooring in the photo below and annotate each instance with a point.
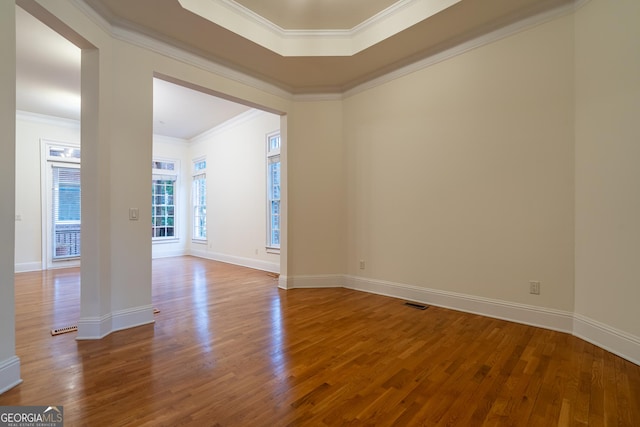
(230, 349)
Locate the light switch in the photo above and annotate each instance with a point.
(133, 214)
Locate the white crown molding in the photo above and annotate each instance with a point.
(173, 52)
(229, 124)
(170, 140)
(47, 120)
(330, 42)
(179, 54)
(146, 42)
(317, 97)
(95, 17)
(477, 42)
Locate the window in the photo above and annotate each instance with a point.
(273, 190)
(199, 199)
(61, 204)
(65, 204)
(163, 200)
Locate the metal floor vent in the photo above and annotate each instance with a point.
(416, 305)
(64, 330)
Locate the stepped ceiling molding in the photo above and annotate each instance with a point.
(317, 46)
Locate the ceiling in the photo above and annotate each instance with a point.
(48, 83)
(299, 46)
(203, 30)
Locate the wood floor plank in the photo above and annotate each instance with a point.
(228, 348)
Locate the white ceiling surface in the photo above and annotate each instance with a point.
(48, 83)
(181, 112)
(316, 14)
(383, 35)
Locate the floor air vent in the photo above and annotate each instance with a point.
(64, 330)
(416, 305)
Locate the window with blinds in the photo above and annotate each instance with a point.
(66, 212)
(199, 199)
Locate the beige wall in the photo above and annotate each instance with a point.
(9, 363)
(607, 170)
(461, 175)
(316, 189)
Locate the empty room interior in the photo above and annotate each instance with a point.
(370, 212)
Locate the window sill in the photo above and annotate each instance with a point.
(154, 241)
(199, 242)
(275, 251)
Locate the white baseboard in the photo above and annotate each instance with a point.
(556, 320)
(282, 282)
(95, 328)
(318, 281)
(9, 373)
(24, 267)
(617, 342)
(168, 253)
(257, 264)
(611, 339)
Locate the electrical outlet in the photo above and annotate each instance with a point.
(534, 287)
(362, 264)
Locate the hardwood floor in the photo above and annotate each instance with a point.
(229, 348)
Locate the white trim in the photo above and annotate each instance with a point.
(171, 140)
(321, 42)
(141, 40)
(317, 97)
(132, 317)
(313, 281)
(137, 39)
(229, 124)
(611, 339)
(167, 254)
(556, 320)
(282, 282)
(24, 267)
(459, 49)
(9, 373)
(95, 328)
(47, 120)
(256, 264)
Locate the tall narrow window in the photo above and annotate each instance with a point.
(61, 205)
(273, 190)
(66, 212)
(163, 200)
(199, 199)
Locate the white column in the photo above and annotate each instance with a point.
(9, 362)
